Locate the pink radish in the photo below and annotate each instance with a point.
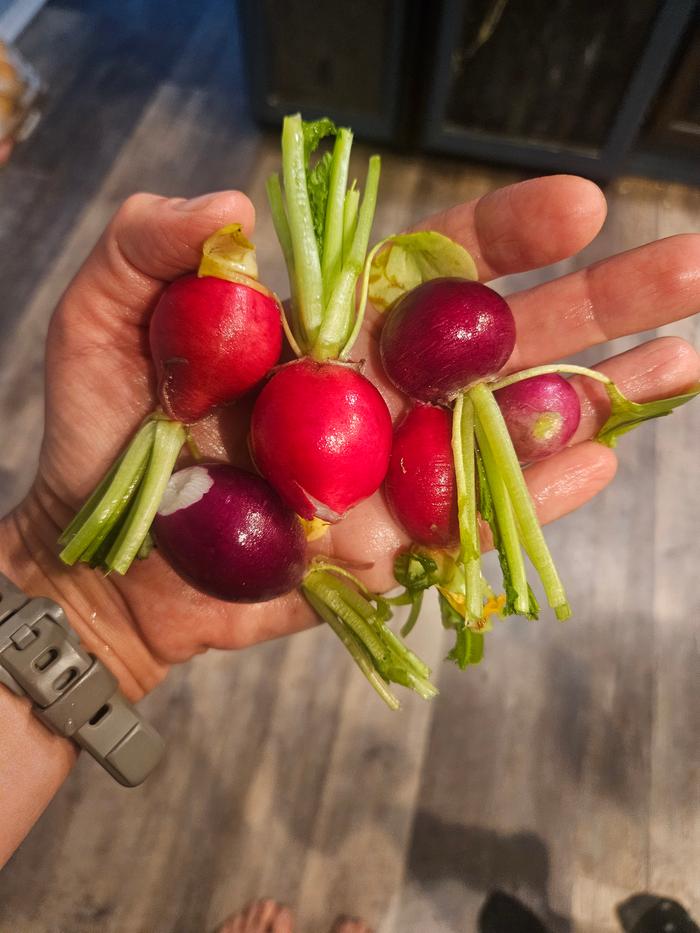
(542, 414)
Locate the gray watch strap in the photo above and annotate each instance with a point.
(73, 693)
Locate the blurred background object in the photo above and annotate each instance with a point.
(20, 87)
(19, 98)
(584, 86)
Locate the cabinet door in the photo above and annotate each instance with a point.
(337, 59)
(560, 84)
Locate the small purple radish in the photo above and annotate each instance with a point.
(445, 335)
(228, 533)
(542, 414)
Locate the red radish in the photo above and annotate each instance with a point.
(321, 434)
(211, 341)
(228, 533)
(443, 336)
(420, 485)
(542, 414)
(320, 431)
(213, 336)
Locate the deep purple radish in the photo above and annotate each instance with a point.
(542, 414)
(420, 486)
(228, 533)
(321, 434)
(445, 335)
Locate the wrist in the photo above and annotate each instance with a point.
(94, 606)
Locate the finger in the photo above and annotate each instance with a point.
(632, 292)
(657, 369)
(149, 241)
(569, 479)
(526, 225)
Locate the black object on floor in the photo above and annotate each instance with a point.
(648, 913)
(502, 913)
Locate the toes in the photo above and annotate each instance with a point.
(350, 925)
(263, 916)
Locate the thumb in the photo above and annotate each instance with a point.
(150, 241)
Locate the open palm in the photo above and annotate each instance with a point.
(100, 384)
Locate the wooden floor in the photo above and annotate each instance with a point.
(564, 770)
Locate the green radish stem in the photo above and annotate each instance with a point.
(363, 630)
(350, 209)
(110, 497)
(568, 368)
(91, 504)
(495, 430)
(465, 472)
(308, 280)
(354, 646)
(362, 304)
(167, 443)
(416, 606)
(332, 259)
(338, 310)
(507, 527)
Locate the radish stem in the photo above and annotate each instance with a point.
(308, 282)
(350, 209)
(491, 420)
(568, 368)
(463, 454)
(507, 527)
(391, 659)
(338, 310)
(356, 649)
(332, 259)
(167, 443)
(115, 497)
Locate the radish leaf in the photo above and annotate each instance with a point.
(414, 258)
(626, 415)
(314, 131)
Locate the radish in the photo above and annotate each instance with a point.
(320, 431)
(440, 342)
(227, 532)
(211, 341)
(542, 414)
(444, 335)
(213, 337)
(420, 484)
(444, 340)
(322, 436)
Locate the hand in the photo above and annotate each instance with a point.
(100, 385)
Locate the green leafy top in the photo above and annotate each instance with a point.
(324, 227)
(324, 230)
(414, 258)
(626, 415)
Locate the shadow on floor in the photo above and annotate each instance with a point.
(480, 859)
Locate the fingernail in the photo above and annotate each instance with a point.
(197, 204)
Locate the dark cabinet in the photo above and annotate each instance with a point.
(590, 86)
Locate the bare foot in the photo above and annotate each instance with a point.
(260, 917)
(350, 925)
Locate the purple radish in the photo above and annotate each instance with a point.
(228, 533)
(542, 414)
(445, 335)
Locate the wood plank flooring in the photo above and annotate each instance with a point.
(564, 770)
